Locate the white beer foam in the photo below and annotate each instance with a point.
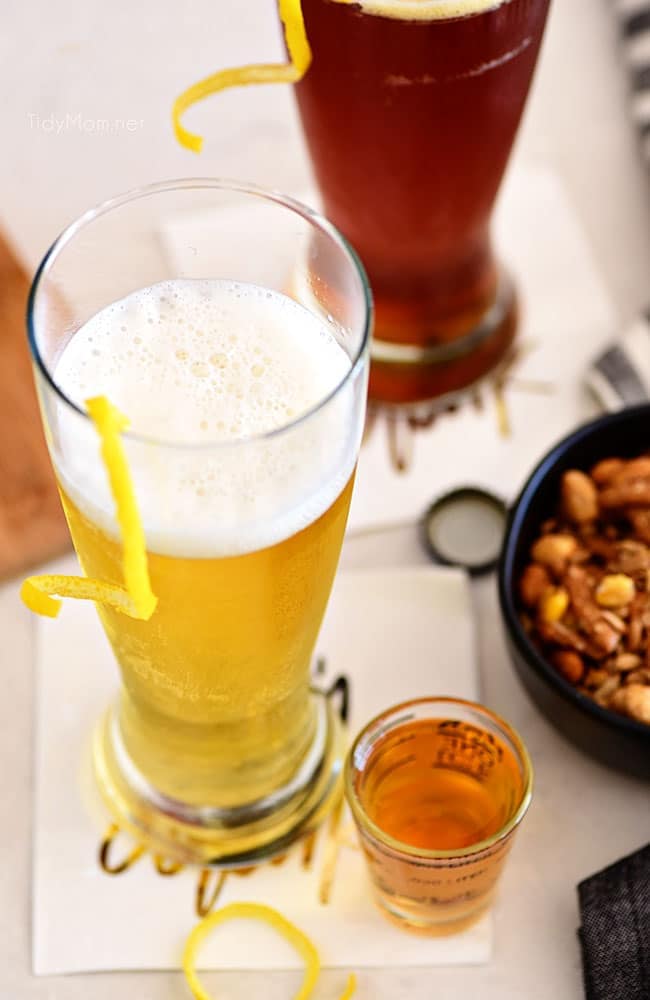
(426, 10)
(201, 365)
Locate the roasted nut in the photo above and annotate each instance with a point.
(579, 497)
(527, 623)
(561, 634)
(569, 664)
(615, 590)
(603, 472)
(636, 468)
(633, 700)
(587, 612)
(616, 621)
(627, 661)
(586, 590)
(601, 548)
(640, 521)
(628, 494)
(596, 677)
(631, 557)
(554, 551)
(553, 604)
(638, 677)
(634, 633)
(603, 694)
(534, 582)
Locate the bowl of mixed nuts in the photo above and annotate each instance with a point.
(574, 588)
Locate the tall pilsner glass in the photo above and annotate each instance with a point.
(231, 325)
(410, 109)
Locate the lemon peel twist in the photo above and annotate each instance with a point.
(136, 599)
(266, 914)
(300, 59)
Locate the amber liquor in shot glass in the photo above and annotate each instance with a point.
(437, 788)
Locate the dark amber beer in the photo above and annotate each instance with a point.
(410, 109)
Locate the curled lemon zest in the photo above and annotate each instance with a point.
(242, 76)
(266, 914)
(136, 599)
(110, 423)
(350, 987)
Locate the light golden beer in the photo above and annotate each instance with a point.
(215, 708)
(245, 411)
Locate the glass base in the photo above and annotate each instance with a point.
(432, 377)
(430, 921)
(229, 837)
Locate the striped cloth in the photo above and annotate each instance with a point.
(634, 18)
(621, 375)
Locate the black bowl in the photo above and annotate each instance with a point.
(613, 739)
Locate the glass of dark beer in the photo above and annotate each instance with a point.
(410, 109)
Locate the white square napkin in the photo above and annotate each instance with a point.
(397, 634)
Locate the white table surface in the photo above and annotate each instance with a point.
(128, 61)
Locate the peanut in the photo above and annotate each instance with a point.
(632, 557)
(640, 521)
(615, 620)
(579, 584)
(600, 547)
(534, 582)
(553, 604)
(636, 468)
(627, 661)
(603, 472)
(635, 493)
(603, 694)
(569, 664)
(635, 632)
(615, 590)
(596, 677)
(638, 677)
(579, 497)
(561, 634)
(554, 551)
(527, 622)
(633, 700)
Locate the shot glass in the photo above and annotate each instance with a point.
(437, 788)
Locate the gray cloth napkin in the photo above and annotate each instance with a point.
(620, 376)
(615, 932)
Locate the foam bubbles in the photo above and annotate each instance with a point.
(212, 342)
(204, 363)
(427, 10)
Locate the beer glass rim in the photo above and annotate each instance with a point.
(269, 195)
(392, 718)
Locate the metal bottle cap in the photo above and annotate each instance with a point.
(465, 528)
